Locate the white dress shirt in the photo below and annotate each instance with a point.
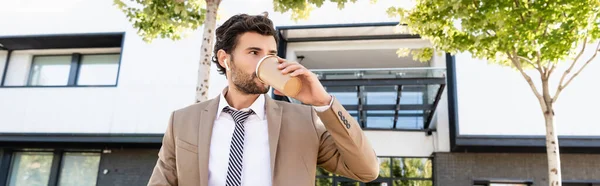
(256, 159)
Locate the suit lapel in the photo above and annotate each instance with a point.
(274, 112)
(207, 118)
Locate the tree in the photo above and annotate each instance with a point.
(170, 18)
(411, 168)
(522, 34)
(326, 181)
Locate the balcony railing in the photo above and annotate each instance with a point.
(392, 99)
(380, 73)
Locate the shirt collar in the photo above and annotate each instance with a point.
(258, 106)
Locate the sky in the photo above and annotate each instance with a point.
(327, 14)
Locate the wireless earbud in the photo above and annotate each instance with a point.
(226, 65)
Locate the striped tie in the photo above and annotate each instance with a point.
(236, 150)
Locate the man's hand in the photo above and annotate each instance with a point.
(312, 91)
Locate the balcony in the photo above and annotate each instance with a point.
(387, 99)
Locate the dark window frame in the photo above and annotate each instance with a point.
(581, 182)
(74, 72)
(56, 164)
(338, 178)
(5, 70)
(488, 182)
(362, 106)
(81, 58)
(31, 65)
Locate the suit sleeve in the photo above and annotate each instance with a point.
(165, 172)
(344, 149)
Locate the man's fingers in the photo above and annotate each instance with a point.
(298, 72)
(291, 68)
(285, 64)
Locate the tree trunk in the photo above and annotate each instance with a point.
(206, 50)
(554, 170)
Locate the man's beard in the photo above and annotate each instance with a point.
(245, 83)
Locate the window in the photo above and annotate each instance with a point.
(68, 70)
(55, 60)
(502, 183)
(93, 69)
(98, 69)
(581, 183)
(79, 169)
(31, 168)
(381, 119)
(37, 168)
(378, 104)
(50, 70)
(386, 99)
(393, 171)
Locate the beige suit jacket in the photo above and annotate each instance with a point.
(300, 139)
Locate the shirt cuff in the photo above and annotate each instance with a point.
(323, 108)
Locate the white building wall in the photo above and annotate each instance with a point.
(154, 78)
(151, 84)
(494, 100)
(440, 120)
(400, 143)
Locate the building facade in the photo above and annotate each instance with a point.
(87, 102)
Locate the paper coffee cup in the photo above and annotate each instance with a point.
(268, 73)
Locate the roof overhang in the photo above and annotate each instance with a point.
(524, 143)
(340, 32)
(88, 40)
(364, 31)
(80, 140)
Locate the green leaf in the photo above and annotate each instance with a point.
(163, 18)
(492, 29)
(170, 18)
(301, 9)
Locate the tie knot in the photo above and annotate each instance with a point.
(238, 116)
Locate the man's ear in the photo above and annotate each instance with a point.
(222, 57)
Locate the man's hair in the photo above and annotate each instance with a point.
(227, 34)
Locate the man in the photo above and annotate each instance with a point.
(243, 137)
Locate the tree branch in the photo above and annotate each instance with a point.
(539, 24)
(539, 68)
(572, 65)
(517, 64)
(552, 67)
(545, 32)
(542, 70)
(549, 65)
(539, 53)
(562, 87)
(517, 5)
